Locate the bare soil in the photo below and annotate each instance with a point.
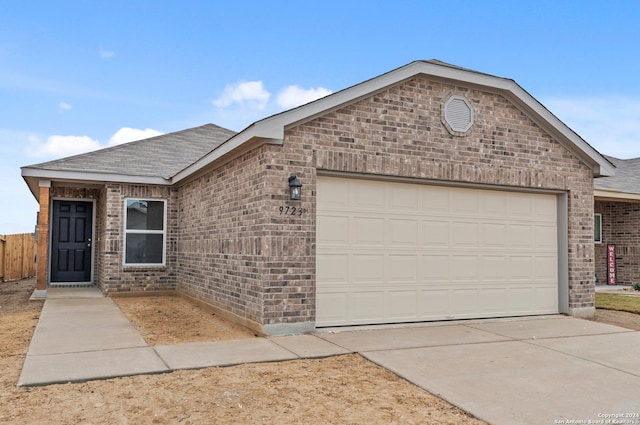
(337, 390)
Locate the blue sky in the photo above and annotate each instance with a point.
(81, 75)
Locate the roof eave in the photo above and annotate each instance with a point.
(615, 195)
(33, 176)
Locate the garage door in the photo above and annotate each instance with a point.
(391, 252)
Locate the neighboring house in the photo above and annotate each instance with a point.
(430, 192)
(617, 222)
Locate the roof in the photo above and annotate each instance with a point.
(271, 129)
(162, 158)
(175, 157)
(624, 184)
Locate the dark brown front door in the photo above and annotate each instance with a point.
(71, 237)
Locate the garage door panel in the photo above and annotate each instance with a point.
(335, 230)
(403, 232)
(464, 302)
(367, 195)
(493, 235)
(493, 300)
(435, 233)
(367, 306)
(465, 201)
(545, 238)
(332, 268)
(521, 236)
(434, 199)
(545, 208)
(520, 299)
(494, 204)
(332, 194)
(404, 198)
(402, 305)
(402, 268)
(367, 231)
(464, 234)
(521, 205)
(434, 268)
(398, 252)
(492, 268)
(433, 303)
(366, 268)
(520, 267)
(331, 308)
(464, 267)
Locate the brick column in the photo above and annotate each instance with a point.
(43, 236)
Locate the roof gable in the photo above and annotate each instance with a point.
(271, 129)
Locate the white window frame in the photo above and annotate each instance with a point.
(162, 232)
(597, 217)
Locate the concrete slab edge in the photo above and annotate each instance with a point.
(23, 384)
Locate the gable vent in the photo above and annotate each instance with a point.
(458, 113)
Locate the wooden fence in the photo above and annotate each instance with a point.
(17, 256)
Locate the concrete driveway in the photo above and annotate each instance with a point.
(548, 370)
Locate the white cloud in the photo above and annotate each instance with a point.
(64, 106)
(61, 146)
(248, 94)
(609, 124)
(292, 96)
(106, 54)
(126, 135)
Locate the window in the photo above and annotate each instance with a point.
(144, 234)
(597, 228)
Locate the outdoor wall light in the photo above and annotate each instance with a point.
(295, 187)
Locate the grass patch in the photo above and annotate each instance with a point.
(618, 302)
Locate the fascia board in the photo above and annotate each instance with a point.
(542, 116)
(93, 177)
(615, 195)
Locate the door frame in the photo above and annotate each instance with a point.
(93, 244)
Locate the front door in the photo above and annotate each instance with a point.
(71, 237)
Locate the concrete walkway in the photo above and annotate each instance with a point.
(82, 335)
(542, 370)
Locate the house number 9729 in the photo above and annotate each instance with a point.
(286, 210)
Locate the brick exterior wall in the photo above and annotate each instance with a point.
(238, 252)
(620, 226)
(111, 275)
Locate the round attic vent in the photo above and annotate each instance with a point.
(458, 114)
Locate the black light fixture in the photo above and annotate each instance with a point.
(295, 188)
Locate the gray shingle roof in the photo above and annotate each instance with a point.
(627, 178)
(160, 156)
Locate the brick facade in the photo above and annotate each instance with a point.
(620, 226)
(111, 275)
(239, 253)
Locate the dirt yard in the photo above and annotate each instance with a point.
(337, 390)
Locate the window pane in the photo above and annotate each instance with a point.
(597, 228)
(145, 215)
(144, 249)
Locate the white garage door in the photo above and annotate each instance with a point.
(392, 252)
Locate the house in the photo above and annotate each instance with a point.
(617, 224)
(431, 192)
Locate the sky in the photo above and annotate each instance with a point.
(83, 75)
